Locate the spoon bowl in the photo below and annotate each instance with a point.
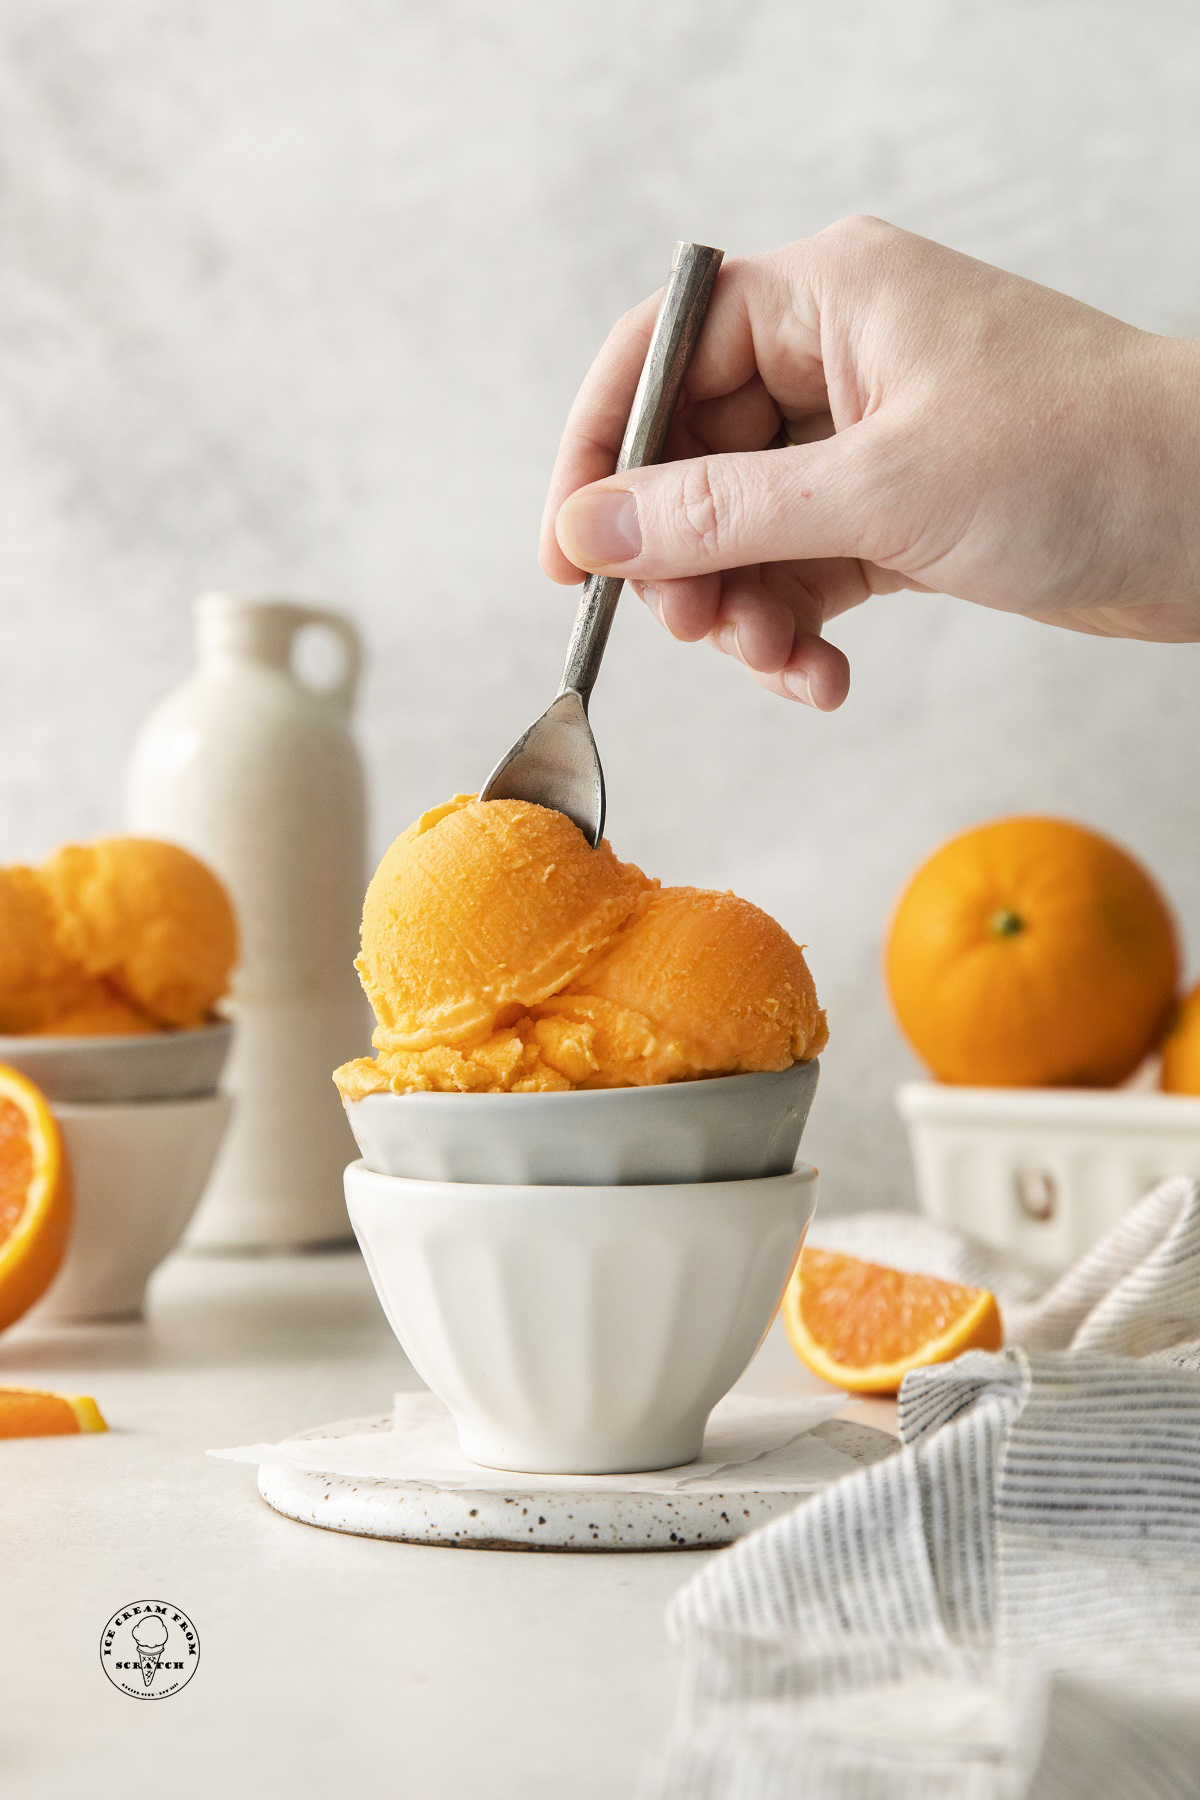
(555, 763)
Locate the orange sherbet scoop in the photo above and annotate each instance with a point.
(697, 983)
(480, 910)
(149, 928)
(33, 963)
(501, 952)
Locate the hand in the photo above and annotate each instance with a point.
(867, 411)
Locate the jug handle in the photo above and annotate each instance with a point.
(342, 693)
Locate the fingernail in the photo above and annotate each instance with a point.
(798, 686)
(600, 528)
(729, 641)
(652, 596)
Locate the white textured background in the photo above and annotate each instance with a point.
(294, 295)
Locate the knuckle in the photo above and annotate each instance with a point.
(706, 509)
(859, 228)
(861, 236)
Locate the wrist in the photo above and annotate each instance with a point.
(1166, 443)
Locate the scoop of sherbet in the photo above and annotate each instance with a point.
(33, 962)
(85, 1008)
(150, 920)
(478, 912)
(685, 983)
(697, 983)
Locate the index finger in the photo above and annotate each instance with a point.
(595, 425)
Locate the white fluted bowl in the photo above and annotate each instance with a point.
(138, 1171)
(580, 1330)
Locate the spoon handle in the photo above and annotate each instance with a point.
(680, 316)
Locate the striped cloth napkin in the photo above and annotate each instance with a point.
(1010, 1605)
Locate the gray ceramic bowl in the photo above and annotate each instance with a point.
(723, 1128)
(170, 1065)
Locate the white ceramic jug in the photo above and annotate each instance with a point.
(255, 770)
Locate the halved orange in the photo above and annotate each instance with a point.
(35, 1412)
(35, 1195)
(863, 1327)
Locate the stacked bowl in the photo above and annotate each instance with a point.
(142, 1121)
(581, 1276)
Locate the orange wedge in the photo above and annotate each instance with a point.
(863, 1327)
(35, 1195)
(32, 1412)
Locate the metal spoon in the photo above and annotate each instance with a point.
(556, 763)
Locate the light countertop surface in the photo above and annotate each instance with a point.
(328, 1663)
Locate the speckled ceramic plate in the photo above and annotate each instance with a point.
(586, 1516)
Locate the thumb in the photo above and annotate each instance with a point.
(725, 512)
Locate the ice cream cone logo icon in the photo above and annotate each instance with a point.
(150, 1636)
(150, 1649)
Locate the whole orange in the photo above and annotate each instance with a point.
(1032, 953)
(1181, 1049)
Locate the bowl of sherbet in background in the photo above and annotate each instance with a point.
(113, 958)
(577, 1200)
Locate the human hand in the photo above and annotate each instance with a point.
(868, 411)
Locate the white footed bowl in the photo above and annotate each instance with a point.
(138, 1172)
(580, 1330)
(721, 1128)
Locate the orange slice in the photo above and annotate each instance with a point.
(863, 1327)
(32, 1412)
(35, 1196)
